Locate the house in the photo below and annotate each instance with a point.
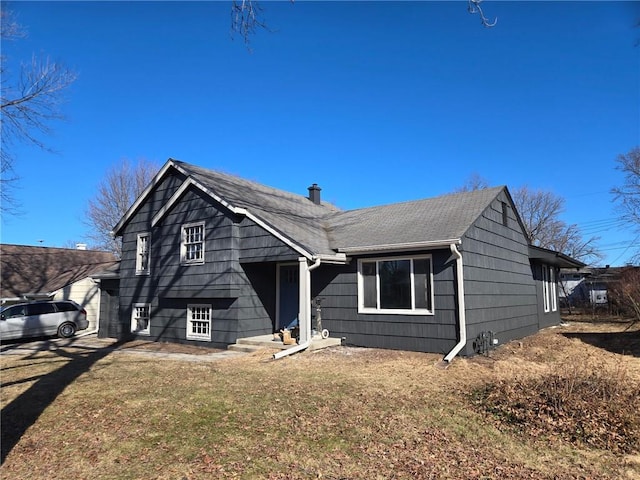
(210, 258)
(46, 273)
(592, 287)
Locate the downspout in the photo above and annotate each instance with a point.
(461, 306)
(305, 303)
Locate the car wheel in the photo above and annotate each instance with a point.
(66, 330)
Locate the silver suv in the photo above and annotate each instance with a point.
(62, 318)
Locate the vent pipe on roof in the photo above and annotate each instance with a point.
(314, 193)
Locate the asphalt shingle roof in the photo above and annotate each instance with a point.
(295, 216)
(28, 269)
(430, 220)
(324, 229)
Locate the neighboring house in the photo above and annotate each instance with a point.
(45, 273)
(210, 258)
(589, 286)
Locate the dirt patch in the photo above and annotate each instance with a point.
(164, 347)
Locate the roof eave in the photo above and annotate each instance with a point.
(554, 258)
(399, 247)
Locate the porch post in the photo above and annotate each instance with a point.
(304, 303)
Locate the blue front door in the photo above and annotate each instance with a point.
(288, 295)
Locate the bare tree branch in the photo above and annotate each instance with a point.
(628, 194)
(540, 213)
(473, 6)
(121, 186)
(474, 182)
(246, 19)
(27, 106)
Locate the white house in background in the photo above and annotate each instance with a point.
(588, 286)
(45, 273)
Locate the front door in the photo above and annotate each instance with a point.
(288, 295)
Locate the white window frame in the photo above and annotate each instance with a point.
(549, 289)
(545, 288)
(184, 244)
(135, 315)
(553, 290)
(191, 335)
(395, 311)
(140, 243)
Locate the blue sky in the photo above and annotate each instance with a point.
(377, 102)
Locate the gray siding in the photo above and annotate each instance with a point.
(338, 287)
(241, 292)
(545, 319)
(500, 293)
(258, 245)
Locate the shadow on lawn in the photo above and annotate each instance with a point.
(625, 343)
(24, 410)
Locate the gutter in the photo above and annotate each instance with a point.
(305, 301)
(461, 306)
(398, 247)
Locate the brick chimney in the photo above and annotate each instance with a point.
(314, 193)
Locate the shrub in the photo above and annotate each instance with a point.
(589, 405)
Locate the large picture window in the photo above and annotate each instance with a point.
(142, 254)
(141, 319)
(192, 244)
(395, 285)
(199, 322)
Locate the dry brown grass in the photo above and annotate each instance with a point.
(342, 413)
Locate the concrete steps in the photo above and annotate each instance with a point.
(253, 344)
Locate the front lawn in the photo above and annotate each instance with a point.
(340, 413)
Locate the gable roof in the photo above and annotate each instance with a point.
(324, 230)
(438, 220)
(44, 270)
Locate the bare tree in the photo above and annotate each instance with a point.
(625, 292)
(474, 182)
(121, 186)
(628, 195)
(28, 104)
(540, 213)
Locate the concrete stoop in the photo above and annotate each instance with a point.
(253, 344)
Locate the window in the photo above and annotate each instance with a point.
(17, 311)
(66, 307)
(395, 285)
(199, 322)
(549, 291)
(552, 289)
(142, 254)
(141, 319)
(505, 214)
(40, 308)
(192, 246)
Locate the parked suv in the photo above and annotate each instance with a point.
(33, 319)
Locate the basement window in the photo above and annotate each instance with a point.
(141, 319)
(199, 322)
(395, 286)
